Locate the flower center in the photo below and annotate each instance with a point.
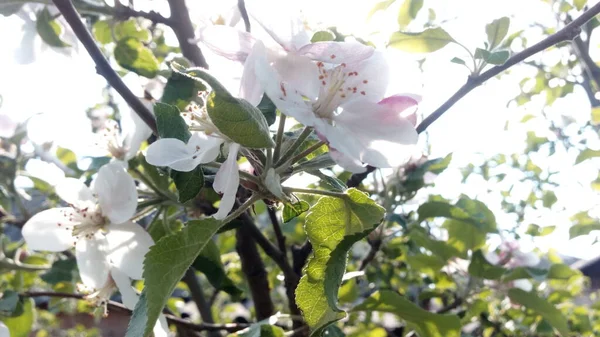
(199, 120)
(82, 220)
(99, 297)
(112, 141)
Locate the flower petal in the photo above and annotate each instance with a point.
(347, 163)
(300, 72)
(183, 157)
(228, 42)
(525, 285)
(161, 328)
(273, 183)
(73, 191)
(4, 332)
(250, 88)
(337, 52)
(91, 261)
(116, 193)
(128, 243)
(7, 126)
(284, 96)
(227, 181)
(135, 131)
(406, 105)
(366, 80)
(286, 28)
(123, 282)
(42, 231)
(373, 134)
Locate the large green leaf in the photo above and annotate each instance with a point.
(10, 304)
(463, 236)
(408, 12)
(169, 122)
(467, 210)
(132, 55)
(209, 263)
(49, 30)
(332, 225)
(541, 307)
(188, 184)
(480, 267)
(439, 248)
(427, 41)
(130, 28)
(62, 271)
(425, 323)
(20, 326)
(181, 90)
(164, 265)
(236, 118)
(496, 31)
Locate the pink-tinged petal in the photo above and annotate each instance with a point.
(525, 259)
(73, 191)
(405, 105)
(91, 261)
(287, 98)
(7, 126)
(366, 80)
(128, 243)
(492, 257)
(337, 52)
(227, 181)
(228, 42)
(42, 231)
(347, 163)
(286, 28)
(300, 72)
(116, 192)
(123, 282)
(373, 134)
(250, 88)
(525, 285)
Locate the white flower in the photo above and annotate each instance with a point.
(291, 42)
(93, 214)
(344, 104)
(7, 126)
(201, 149)
(4, 332)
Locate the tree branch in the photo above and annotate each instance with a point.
(193, 284)
(277, 229)
(244, 13)
(116, 306)
(102, 66)
(184, 30)
(126, 12)
(569, 32)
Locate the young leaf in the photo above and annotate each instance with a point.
(467, 210)
(425, 323)
(209, 263)
(169, 122)
(408, 12)
(49, 30)
(587, 154)
(61, 271)
(102, 31)
(496, 31)
(268, 109)
(458, 60)
(542, 307)
(332, 226)
(427, 41)
(130, 28)
(239, 120)
(132, 55)
(291, 211)
(322, 35)
(380, 6)
(164, 266)
(181, 90)
(188, 184)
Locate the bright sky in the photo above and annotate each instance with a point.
(65, 86)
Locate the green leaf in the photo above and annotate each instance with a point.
(164, 266)
(239, 120)
(426, 264)
(437, 247)
(271, 331)
(331, 182)
(380, 6)
(467, 210)
(322, 36)
(61, 271)
(268, 109)
(535, 230)
(583, 225)
(9, 304)
(496, 58)
(49, 30)
(181, 90)
(425, 323)
(579, 4)
(21, 325)
(290, 211)
(130, 28)
(415, 178)
(169, 122)
(595, 116)
(561, 271)
(427, 41)
(541, 307)
(458, 60)
(132, 55)
(333, 225)
(408, 12)
(496, 31)
(463, 236)
(524, 273)
(188, 184)
(209, 263)
(102, 31)
(587, 154)
(480, 267)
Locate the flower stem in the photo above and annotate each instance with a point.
(306, 152)
(279, 137)
(243, 207)
(290, 152)
(268, 162)
(313, 191)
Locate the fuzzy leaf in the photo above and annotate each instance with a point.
(427, 41)
(132, 55)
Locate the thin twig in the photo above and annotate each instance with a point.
(244, 13)
(277, 229)
(184, 31)
(193, 284)
(569, 32)
(116, 306)
(102, 66)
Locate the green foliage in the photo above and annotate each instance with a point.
(165, 264)
(20, 326)
(380, 6)
(322, 35)
(239, 120)
(49, 30)
(496, 32)
(130, 28)
(291, 211)
(188, 184)
(541, 307)
(408, 11)
(209, 263)
(268, 109)
(583, 225)
(181, 90)
(333, 225)
(587, 154)
(10, 304)
(425, 323)
(102, 31)
(61, 271)
(427, 41)
(132, 55)
(496, 58)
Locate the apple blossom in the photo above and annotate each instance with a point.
(4, 332)
(344, 104)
